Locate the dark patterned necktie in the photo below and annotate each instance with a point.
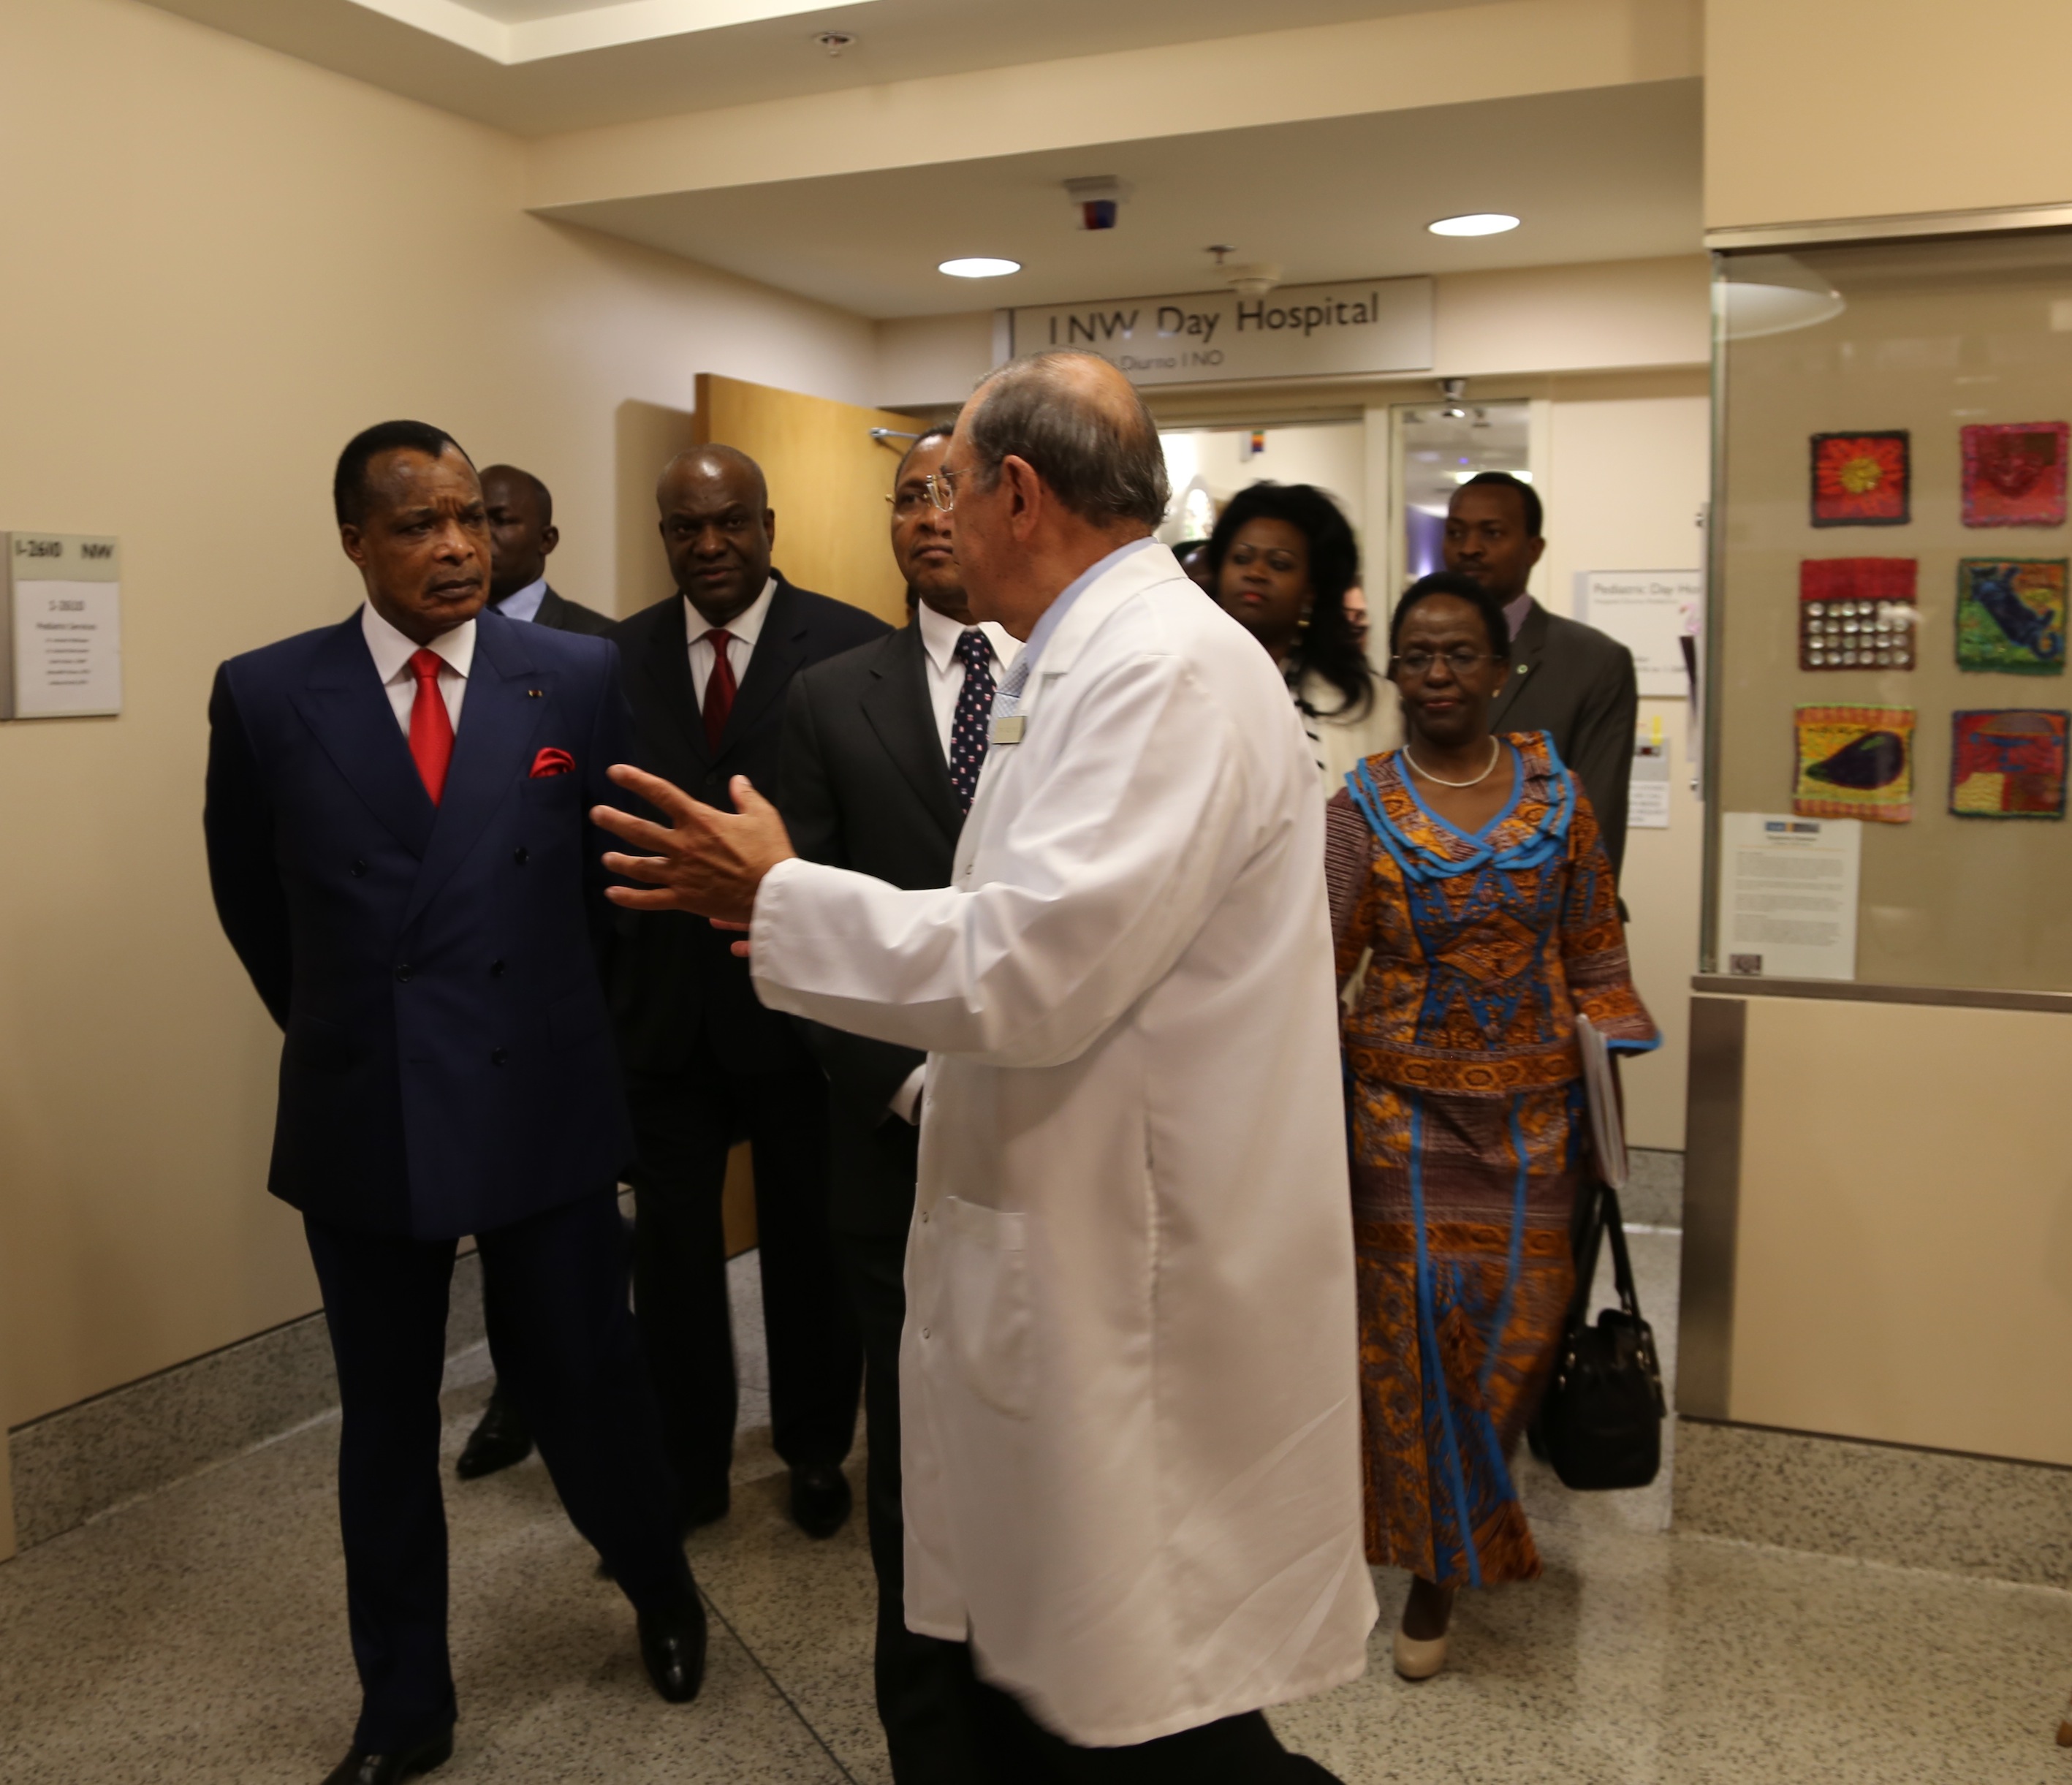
(971, 725)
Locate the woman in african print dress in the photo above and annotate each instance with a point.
(1466, 868)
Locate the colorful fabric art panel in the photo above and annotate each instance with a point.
(2011, 614)
(1861, 479)
(2014, 474)
(1856, 613)
(2008, 764)
(1855, 761)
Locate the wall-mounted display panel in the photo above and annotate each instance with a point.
(1891, 554)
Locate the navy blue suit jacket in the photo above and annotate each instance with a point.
(449, 1066)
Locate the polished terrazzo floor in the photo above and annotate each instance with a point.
(198, 1636)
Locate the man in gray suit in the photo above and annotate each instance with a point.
(1567, 679)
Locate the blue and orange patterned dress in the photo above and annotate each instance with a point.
(1469, 1132)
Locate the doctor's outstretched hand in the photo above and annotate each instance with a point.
(704, 860)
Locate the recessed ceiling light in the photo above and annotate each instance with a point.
(1478, 223)
(979, 266)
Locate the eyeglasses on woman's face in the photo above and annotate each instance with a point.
(1417, 662)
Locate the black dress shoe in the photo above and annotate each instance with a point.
(821, 1500)
(674, 1648)
(360, 1767)
(705, 1509)
(501, 1438)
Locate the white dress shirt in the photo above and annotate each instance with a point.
(525, 603)
(946, 681)
(946, 669)
(392, 653)
(742, 631)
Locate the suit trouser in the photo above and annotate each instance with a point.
(925, 1685)
(1236, 1750)
(685, 1123)
(554, 1294)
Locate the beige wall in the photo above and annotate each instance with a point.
(1833, 108)
(1903, 1270)
(1626, 474)
(220, 263)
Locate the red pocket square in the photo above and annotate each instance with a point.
(553, 762)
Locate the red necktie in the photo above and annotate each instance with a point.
(431, 726)
(719, 688)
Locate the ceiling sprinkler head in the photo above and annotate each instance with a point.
(1219, 249)
(834, 43)
(1455, 388)
(1251, 278)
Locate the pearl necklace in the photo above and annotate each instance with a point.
(1496, 751)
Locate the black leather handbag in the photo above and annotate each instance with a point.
(1601, 1421)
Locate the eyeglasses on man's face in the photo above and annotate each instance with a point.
(910, 499)
(942, 488)
(1418, 662)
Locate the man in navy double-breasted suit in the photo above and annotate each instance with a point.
(399, 840)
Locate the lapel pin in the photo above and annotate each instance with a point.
(536, 693)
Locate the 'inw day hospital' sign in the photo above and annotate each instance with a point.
(1298, 331)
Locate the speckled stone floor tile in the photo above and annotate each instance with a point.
(198, 1636)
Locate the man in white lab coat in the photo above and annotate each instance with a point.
(1131, 1450)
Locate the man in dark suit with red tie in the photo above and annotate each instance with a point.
(707, 672)
(882, 750)
(401, 854)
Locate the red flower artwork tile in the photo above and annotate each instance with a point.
(2014, 474)
(1860, 479)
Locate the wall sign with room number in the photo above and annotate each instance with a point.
(61, 644)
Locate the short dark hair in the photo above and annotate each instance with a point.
(1103, 467)
(1463, 588)
(939, 430)
(348, 483)
(1326, 645)
(1528, 498)
(543, 498)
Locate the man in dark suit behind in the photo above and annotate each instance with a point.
(522, 537)
(882, 748)
(401, 855)
(707, 672)
(1567, 679)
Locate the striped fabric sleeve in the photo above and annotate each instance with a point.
(1350, 849)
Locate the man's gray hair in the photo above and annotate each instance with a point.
(1101, 457)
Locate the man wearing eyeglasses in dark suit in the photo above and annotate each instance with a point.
(883, 748)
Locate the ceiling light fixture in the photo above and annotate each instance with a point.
(1475, 223)
(979, 266)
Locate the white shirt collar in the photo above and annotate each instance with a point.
(392, 652)
(747, 626)
(523, 604)
(940, 635)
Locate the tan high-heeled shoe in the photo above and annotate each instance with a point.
(1416, 1659)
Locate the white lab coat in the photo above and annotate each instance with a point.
(1130, 1424)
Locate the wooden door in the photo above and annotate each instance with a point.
(828, 480)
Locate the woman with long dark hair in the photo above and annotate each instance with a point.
(1281, 559)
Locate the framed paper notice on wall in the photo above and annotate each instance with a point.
(62, 634)
(1650, 612)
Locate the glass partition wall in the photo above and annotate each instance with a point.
(1888, 634)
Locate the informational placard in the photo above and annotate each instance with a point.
(1788, 895)
(1650, 612)
(1647, 789)
(1298, 331)
(63, 634)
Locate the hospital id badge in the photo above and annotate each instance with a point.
(1008, 730)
